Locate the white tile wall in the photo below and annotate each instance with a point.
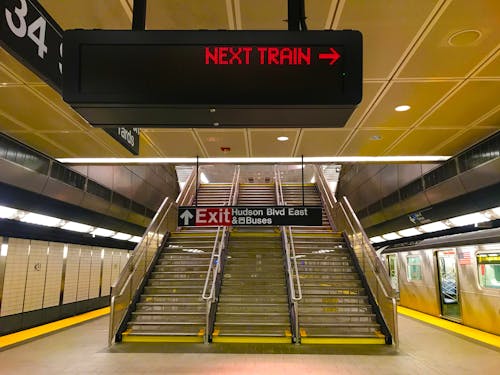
(71, 279)
(15, 277)
(54, 274)
(106, 272)
(35, 282)
(95, 273)
(84, 275)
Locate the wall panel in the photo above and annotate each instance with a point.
(15, 277)
(71, 277)
(35, 280)
(95, 273)
(84, 274)
(53, 275)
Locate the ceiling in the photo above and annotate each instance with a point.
(441, 57)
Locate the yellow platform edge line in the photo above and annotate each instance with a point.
(475, 334)
(27, 334)
(139, 338)
(252, 340)
(343, 340)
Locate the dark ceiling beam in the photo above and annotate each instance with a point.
(139, 15)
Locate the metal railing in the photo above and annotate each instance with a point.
(215, 266)
(295, 287)
(345, 221)
(137, 268)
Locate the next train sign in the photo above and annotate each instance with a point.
(229, 216)
(197, 78)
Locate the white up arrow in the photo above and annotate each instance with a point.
(186, 216)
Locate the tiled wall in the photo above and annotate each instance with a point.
(34, 273)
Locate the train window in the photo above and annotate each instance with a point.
(488, 271)
(414, 267)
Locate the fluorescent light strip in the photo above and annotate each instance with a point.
(284, 160)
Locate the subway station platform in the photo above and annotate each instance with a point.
(429, 346)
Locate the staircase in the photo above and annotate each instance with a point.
(257, 195)
(170, 308)
(212, 195)
(292, 196)
(334, 308)
(253, 303)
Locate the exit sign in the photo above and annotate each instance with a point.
(213, 78)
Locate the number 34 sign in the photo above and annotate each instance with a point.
(29, 33)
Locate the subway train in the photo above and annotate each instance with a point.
(454, 277)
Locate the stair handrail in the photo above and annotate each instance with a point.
(216, 257)
(345, 221)
(373, 269)
(138, 265)
(189, 190)
(290, 254)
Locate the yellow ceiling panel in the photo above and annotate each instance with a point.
(450, 48)
(6, 77)
(321, 142)
(420, 96)
(179, 143)
(472, 101)
(421, 141)
(491, 69)
(146, 150)
(6, 124)
(371, 142)
(464, 140)
(186, 14)
(42, 144)
(14, 67)
(263, 15)
(56, 99)
(88, 14)
(21, 103)
(81, 143)
(370, 89)
(265, 144)
(491, 121)
(214, 139)
(387, 29)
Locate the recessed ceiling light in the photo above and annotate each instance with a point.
(402, 108)
(375, 137)
(464, 38)
(282, 138)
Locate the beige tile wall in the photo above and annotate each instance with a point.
(84, 274)
(33, 274)
(15, 277)
(35, 281)
(54, 274)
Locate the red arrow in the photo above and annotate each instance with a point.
(333, 55)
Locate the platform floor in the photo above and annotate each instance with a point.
(82, 349)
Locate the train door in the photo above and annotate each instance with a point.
(392, 263)
(448, 284)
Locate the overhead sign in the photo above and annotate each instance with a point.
(29, 33)
(127, 137)
(229, 216)
(150, 78)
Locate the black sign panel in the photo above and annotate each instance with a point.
(212, 78)
(128, 138)
(229, 216)
(217, 67)
(29, 33)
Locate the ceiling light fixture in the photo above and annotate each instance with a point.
(282, 138)
(275, 160)
(402, 108)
